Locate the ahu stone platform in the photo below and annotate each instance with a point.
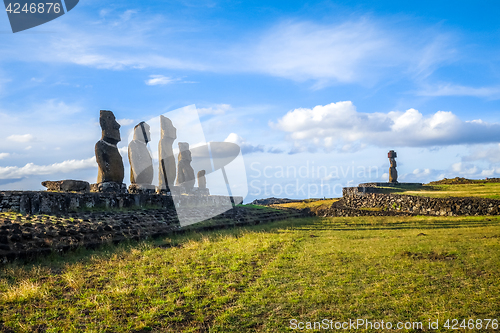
(43, 202)
(388, 184)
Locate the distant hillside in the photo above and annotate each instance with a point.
(461, 180)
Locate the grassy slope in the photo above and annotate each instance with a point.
(258, 278)
(309, 204)
(486, 190)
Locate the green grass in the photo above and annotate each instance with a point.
(486, 190)
(312, 204)
(257, 279)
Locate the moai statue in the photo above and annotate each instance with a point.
(109, 160)
(141, 163)
(202, 181)
(185, 173)
(393, 173)
(166, 154)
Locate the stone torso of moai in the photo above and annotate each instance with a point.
(109, 159)
(166, 153)
(141, 163)
(202, 181)
(185, 173)
(393, 173)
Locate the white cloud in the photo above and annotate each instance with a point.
(127, 15)
(303, 50)
(125, 122)
(458, 90)
(360, 51)
(124, 152)
(461, 168)
(490, 154)
(4, 155)
(246, 148)
(31, 169)
(155, 80)
(337, 125)
(218, 109)
(21, 138)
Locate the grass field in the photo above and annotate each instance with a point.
(258, 279)
(312, 204)
(486, 190)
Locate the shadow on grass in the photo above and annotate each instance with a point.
(57, 262)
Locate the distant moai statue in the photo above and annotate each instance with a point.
(185, 172)
(202, 181)
(141, 163)
(393, 173)
(166, 153)
(109, 160)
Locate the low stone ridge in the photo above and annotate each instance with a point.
(68, 185)
(451, 206)
(388, 184)
(461, 180)
(272, 201)
(29, 236)
(35, 202)
(369, 201)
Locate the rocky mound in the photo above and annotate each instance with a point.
(273, 201)
(461, 180)
(27, 236)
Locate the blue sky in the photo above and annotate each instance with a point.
(326, 86)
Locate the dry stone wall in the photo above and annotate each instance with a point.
(29, 236)
(42, 202)
(359, 197)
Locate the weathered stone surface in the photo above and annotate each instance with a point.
(185, 173)
(166, 153)
(109, 159)
(109, 187)
(141, 188)
(141, 163)
(84, 229)
(44, 202)
(202, 181)
(393, 173)
(453, 206)
(200, 191)
(68, 185)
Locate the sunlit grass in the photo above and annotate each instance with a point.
(486, 190)
(259, 278)
(308, 204)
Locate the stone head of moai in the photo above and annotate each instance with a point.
(185, 172)
(184, 152)
(142, 132)
(108, 157)
(202, 181)
(392, 157)
(167, 128)
(110, 127)
(141, 163)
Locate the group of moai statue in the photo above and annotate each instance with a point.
(111, 171)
